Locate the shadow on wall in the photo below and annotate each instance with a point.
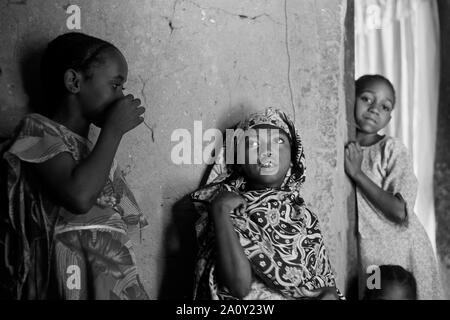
(29, 69)
(180, 252)
(179, 245)
(31, 76)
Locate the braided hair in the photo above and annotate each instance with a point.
(71, 50)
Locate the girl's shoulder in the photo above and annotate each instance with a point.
(39, 138)
(392, 142)
(393, 146)
(388, 147)
(388, 151)
(37, 124)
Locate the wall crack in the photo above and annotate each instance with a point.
(238, 15)
(288, 59)
(144, 96)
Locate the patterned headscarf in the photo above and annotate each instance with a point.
(279, 235)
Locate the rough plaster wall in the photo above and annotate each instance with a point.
(214, 61)
(442, 167)
(350, 205)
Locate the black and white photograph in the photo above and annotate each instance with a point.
(245, 151)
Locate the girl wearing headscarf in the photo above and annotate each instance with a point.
(257, 239)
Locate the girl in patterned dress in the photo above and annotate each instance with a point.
(70, 213)
(380, 166)
(257, 239)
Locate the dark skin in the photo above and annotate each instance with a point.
(94, 98)
(373, 109)
(233, 266)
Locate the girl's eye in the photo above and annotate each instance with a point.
(366, 99)
(253, 143)
(280, 140)
(386, 108)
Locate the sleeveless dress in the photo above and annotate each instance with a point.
(51, 253)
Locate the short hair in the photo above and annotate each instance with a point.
(364, 80)
(73, 50)
(394, 274)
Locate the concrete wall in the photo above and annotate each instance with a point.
(214, 61)
(442, 167)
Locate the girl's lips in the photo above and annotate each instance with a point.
(268, 166)
(370, 119)
(268, 170)
(267, 162)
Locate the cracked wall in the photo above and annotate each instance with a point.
(214, 61)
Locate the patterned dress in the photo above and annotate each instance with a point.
(382, 242)
(280, 236)
(52, 253)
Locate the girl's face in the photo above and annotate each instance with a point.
(103, 86)
(268, 156)
(373, 107)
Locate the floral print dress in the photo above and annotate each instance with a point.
(52, 253)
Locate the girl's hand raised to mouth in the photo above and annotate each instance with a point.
(123, 115)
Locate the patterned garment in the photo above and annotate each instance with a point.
(51, 253)
(382, 242)
(279, 234)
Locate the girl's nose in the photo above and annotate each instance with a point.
(374, 108)
(266, 153)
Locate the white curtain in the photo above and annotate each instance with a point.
(400, 40)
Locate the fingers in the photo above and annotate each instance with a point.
(137, 121)
(351, 145)
(243, 204)
(347, 152)
(140, 110)
(136, 103)
(353, 149)
(239, 203)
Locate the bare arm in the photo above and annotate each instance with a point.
(328, 293)
(392, 207)
(233, 267)
(77, 186)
